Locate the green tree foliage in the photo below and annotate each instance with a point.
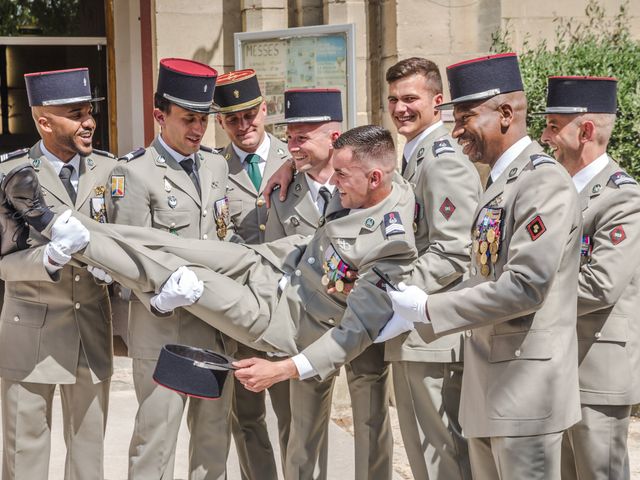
(597, 46)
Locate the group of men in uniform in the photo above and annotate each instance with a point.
(489, 274)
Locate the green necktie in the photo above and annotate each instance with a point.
(254, 170)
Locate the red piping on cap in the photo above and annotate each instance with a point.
(483, 59)
(188, 67)
(56, 71)
(231, 77)
(580, 77)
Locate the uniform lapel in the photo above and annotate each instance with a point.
(304, 206)
(206, 177)
(597, 184)
(175, 173)
(47, 175)
(86, 180)
(237, 174)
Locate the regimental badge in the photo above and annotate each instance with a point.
(90, 162)
(512, 172)
(280, 151)
(596, 188)
(487, 235)
(536, 228)
(420, 153)
(369, 222)
(98, 207)
(335, 270)
(36, 163)
(447, 208)
(117, 186)
(298, 187)
(393, 224)
(442, 146)
(617, 235)
(294, 221)
(586, 246)
(223, 218)
(172, 201)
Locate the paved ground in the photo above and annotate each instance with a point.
(122, 411)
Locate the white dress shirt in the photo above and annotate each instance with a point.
(177, 156)
(262, 151)
(582, 178)
(314, 190)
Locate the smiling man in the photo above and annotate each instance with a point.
(581, 114)
(520, 380)
(176, 185)
(55, 328)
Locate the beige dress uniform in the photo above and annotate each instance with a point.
(55, 330)
(249, 216)
(427, 377)
(520, 382)
(608, 333)
(242, 297)
(367, 375)
(158, 193)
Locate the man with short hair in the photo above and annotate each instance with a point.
(176, 185)
(520, 381)
(55, 328)
(252, 155)
(427, 377)
(581, 115)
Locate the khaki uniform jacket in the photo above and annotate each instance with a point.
(609, 291)
(247, 206)
(521, 370)
(158, 193)
(46, 318)
(447, 188)
(360, 240)
(297, 215)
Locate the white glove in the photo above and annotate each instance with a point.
(181, 290)
(396, 325)
(409, 302)
(100, 274)
(69, 235)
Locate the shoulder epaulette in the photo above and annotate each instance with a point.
(138, 152)
(538, 159)
(204, 148)
(104, 153)
(442, 146)
(15, 154)
(622, 178)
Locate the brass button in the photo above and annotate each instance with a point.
(77, 278)
(262, 227)
(260, 202)
(517, 353)
(332, 321)
(204, 212)
(16, 318)
(598, 334)
(298, 273)
(468, 333)
(311, 260)
(173, 224)
(77, 305)
(205, 236)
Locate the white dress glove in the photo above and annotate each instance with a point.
(100, 274)
(409, 307)
(181, 290)
(69, 234)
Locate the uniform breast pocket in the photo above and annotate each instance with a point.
(235, 208)
(20, 328)
(324, 309)
(171, 220)
(519, 373)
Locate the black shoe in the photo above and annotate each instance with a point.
(20, 190)
(14, 232)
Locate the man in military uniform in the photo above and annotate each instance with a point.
(365, 226)
(252, 155)
(176, 185)
(427, 377)
(55, 327)
(520, 381)
(580, 118)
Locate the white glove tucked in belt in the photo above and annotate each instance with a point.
(181, 290)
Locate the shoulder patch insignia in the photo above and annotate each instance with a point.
(138, 152)
(15, 154)
(617, 235)
(623, 178)
(117, 186)
(442, 146)
(207, 149)
(447, 208)
(104, 153)
(538, 159)
(393, 224)
(536, 228)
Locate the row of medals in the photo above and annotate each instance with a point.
(334, 273)
(486, 249)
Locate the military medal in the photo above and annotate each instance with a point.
(335, 268)
(491, 235)
(339, 285)
(223, 218)
(325, 280)
(98, 208)
(486, 241)
(485, 270)
(476, 246)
